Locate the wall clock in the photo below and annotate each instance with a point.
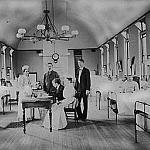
(55, 57)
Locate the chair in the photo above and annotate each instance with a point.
(71, 110)
(13, 98)
(4, 99)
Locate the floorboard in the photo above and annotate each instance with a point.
(97, 133)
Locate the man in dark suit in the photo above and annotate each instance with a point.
(82, 86)
(58, 89)
(48, 77)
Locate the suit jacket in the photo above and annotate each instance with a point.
(59, 93)
(85, 81)
(48, 77)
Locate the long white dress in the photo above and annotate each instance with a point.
(25, 91)
(58, 115)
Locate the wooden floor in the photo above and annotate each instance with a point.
(97, 133)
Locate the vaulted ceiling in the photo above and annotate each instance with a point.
(102, 18)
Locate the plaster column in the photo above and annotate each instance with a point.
(140, 54)
(11, 64)
(108, 64)
(102, 61)
(4, 61)
(125, 49)
(115, 57)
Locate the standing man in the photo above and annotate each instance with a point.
(48, 77)
(82, 87)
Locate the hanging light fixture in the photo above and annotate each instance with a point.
(47, 30)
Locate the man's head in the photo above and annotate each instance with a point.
(50, 66)
(144, 78)
(81, 63)
(129, 78)
(124, 78)
(56, 82)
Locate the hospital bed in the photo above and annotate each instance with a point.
(144, 112)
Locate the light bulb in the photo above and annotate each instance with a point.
(41, 27)
(65, 28)
(18, 35)
(74, 32)
(22, 31)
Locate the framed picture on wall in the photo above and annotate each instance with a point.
(33, 77)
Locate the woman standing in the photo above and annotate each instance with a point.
(25, 92)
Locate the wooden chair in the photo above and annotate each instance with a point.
(13, 99)
(4, 99)
(71, 111)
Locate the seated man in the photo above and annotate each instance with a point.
(58, 114)
(59, 89)
(130, 85)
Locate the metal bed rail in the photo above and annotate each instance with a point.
(98, 98)
(142, 113)
(112, 104)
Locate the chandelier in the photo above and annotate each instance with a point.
(47, 29)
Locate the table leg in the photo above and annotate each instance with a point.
(24, 121)
(3, 106)
(99, 100)
(50, 118)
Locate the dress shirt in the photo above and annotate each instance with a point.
(80, 71)
(57, 87)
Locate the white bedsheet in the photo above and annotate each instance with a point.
(126, 101)
(103, 85)
(126, 105)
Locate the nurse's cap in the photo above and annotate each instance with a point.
(25, 67)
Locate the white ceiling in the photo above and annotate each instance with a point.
(103, 18)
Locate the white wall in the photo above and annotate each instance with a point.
(71, 64)
(133, 46)
(32, 59)
(91, 59)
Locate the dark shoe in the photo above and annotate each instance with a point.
(78, 118)
(83, 119)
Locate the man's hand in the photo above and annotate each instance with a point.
(59, 102)
(87, 92)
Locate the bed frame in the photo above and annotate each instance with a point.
(142, 113)
(98, 98)
(112, 104)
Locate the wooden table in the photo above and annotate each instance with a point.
(37, 103)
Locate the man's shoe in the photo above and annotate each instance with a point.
(83, 119)
(78, 118)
